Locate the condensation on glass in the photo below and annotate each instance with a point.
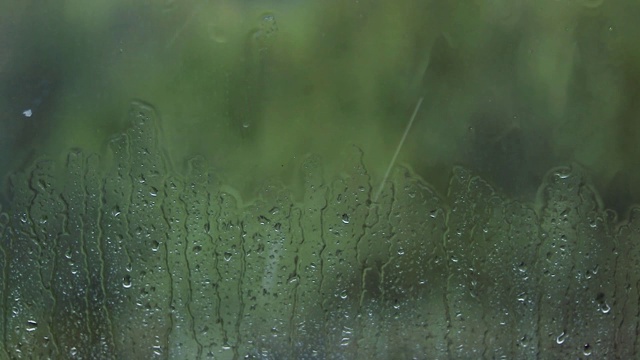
(124, 257)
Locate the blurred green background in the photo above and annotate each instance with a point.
(511, 88)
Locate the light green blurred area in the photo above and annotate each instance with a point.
(511, 88)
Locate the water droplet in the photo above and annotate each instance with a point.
(345, 218)
(561, 338)
(343, 294)
(126, 283)
(157, 350)
(563, 173)
(32, 325)
(197, 249)
(605, 308)
(587, 350)
(73, 351)
(227, 256)
(400, 251)
(155, 245)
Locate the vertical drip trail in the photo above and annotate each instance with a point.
(189, 275)
(208, 214)
(389, 237)
(446, 299)
(211, 216)
(294, 222)
(99, 193)
(165, 245)
(4, 309)
(243, 270)
(322, 249)
(82, 190)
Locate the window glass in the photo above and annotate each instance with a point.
(319, 180)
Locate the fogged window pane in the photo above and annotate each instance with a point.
(319, 180)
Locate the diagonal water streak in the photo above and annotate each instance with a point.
(395, 155)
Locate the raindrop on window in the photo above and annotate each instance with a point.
(345, 218)
(32, 325)
(126, 283)
(227, 256)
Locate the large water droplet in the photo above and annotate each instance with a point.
(126, 283)
(562, 173)
(32, 325)
(227, 256)
(345, 218)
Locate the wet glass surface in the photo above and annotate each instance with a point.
(298, 179)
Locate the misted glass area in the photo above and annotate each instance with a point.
(336, 179)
